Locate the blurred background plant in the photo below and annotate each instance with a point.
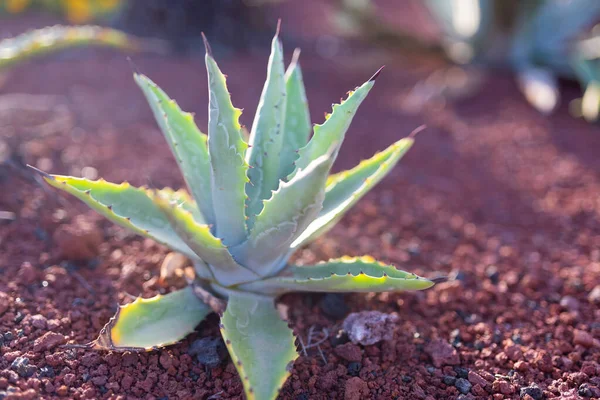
(75, 11)
(235, 22)
(540, 40)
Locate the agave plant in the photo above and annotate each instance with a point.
(539, 40)
(52, 39)
(251, 206)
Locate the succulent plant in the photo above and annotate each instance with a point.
(539, 40)
(251, 206)
(55, 38)
(76, 11)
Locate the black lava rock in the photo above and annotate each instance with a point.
(334, 306)
(449, 380)
(22, 367)
(209, 351)
(585, 391)
(532, 390)
(461, 372)
(340, 338)
(47, 372)
(354, 368)
(463, 385)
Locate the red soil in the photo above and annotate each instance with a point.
(494, 195)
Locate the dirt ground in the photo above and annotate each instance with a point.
(502, 200)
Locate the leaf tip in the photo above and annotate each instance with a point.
(134, 68)
(278, 30)
(416, 131)
(206, 45)
(295, 56)
(44, 175)
(376, 74)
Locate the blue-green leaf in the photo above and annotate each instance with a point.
(346, 188)
(347, 274)
(125, 205)
(147, 324)
(227, 150)
(284, 217)
(200, 239)
(334, 128)
(260, 344)
(266, 136)
(297, 126)
(188, 144)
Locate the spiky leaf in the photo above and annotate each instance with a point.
(209, 248)
(125, 205)
(227, 150)
(284, 217)
(297, 118)
(266, 136)
(188, 144)
(260, 344)
(358, 274)
(344, 189)
(55, 38)
(334, 128)
(159, 321)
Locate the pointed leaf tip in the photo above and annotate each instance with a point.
(416, 131)
(206, 45)
(134, 68)
(376, 74)
(39, 171)
(295, 56)
(278, 27)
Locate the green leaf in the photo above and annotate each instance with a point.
(260, 344)
(55, 38)
(147, 324)
(335, 126)
(227, 150)
(209, 248)
(125, 205)
(347, 274)
(284, 217)
(346, 188)
(266, 136)
(188, 144)
(297, 126)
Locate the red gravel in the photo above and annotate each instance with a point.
(496, 196)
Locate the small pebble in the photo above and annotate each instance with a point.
(442, 353)
(449, 380)
(340, 338)
(22, 367)
(594, 295)
(492, 273)
(370, 327)
(461, 372)
(583, 338)
(209, 351)
(569, 303)
(533, 391)
(476, 379)
(585, 391)
(334, 306)
(463, 385)
(354, 368)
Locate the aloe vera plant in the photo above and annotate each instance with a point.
(251, 206)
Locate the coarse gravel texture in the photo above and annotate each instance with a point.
(500, 199)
